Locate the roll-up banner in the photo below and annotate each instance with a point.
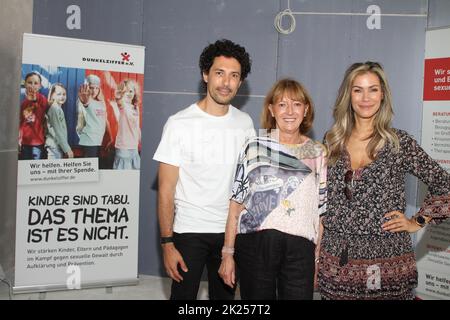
(433, 242)
(78, 168)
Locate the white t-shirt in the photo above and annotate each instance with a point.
(206, 150)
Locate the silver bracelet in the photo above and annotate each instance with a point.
(227, 250)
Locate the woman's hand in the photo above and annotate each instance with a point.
(399, 222)
(227, 270)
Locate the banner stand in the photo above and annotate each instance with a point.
(77, 213)
(433, 242)
(91, 285)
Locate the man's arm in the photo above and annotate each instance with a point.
(167, 181)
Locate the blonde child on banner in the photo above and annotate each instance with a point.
(129, 132)
(56, 139)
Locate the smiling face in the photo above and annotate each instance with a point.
(223, 80)
(59, 95)
(128, 94)
(366, 95)
(288, 114)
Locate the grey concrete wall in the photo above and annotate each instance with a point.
(16, 18)
(438, 13)
(174, 32)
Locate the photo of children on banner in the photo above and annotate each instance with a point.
(128, 136)
(32, 119)
(92, 117)
(80, 116)
(56, 143)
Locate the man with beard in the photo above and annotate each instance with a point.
(198, 153)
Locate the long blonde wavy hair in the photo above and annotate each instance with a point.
(344, 119)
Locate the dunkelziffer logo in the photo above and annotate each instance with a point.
(125, 56)
(125, 59)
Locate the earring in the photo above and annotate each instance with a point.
(306, 112)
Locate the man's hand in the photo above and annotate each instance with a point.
(173, 258)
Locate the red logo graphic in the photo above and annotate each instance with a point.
(125, 56)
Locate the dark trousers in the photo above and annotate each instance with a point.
(199, 250)
(91, 151)
(275, 265)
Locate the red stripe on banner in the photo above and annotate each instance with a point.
(436, 79)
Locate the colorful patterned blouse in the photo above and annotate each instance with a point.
(283, 187)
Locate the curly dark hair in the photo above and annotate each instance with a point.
(226, 48)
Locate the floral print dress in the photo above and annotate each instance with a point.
(358, 259)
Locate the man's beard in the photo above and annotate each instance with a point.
(219, 99)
